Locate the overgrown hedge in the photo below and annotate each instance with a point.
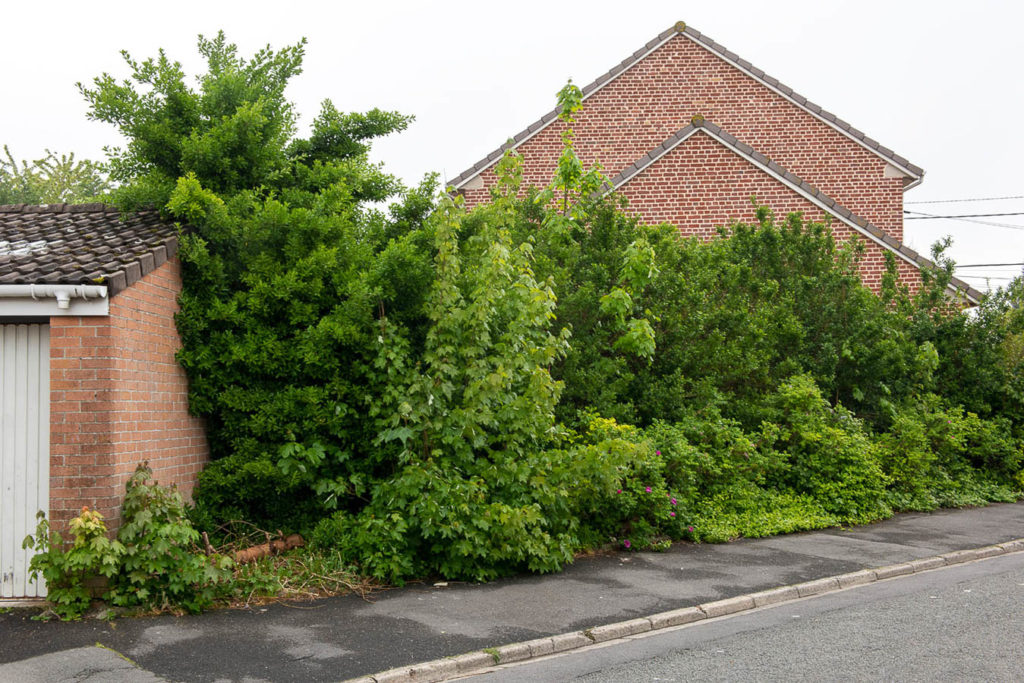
(431, 391)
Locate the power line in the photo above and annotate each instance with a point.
(987, 265)
(971, 199)
(929, 217)
(986, 277)
(972, 220)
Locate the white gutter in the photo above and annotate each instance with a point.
(51, 300)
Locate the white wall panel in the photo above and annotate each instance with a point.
(24, 449)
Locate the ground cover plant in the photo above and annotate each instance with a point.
(424, 390)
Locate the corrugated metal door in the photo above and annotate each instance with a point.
(24, 449)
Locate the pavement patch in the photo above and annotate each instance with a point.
(78, 664)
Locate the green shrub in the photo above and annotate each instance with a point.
(625, 497)
(238, 487)
(938, 455)
(161, 565)
(71, 572)
(706, 454)
(829, 454)
(153, 564)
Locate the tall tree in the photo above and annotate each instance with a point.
(51, 180)
(286, 268)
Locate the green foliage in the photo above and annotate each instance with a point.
(161, 565)
(51, 180)
(70, 572)
(235, 133)
(627, 497)
(402, 383)
(830, 456)
(154, 563)
(939, 455)
(707, 455)
(980, 360)
(755, 512)
(717, 324)
(474, 494)
(287, 275)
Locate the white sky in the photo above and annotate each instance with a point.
(938, 82)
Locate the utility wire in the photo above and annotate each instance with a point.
(971, 199)
(986, 265)
(986, 277)
(930, 217)
(973, 220)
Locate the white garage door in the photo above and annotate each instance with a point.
(24, 449)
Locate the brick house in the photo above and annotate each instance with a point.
(89, 384)
(688, 132)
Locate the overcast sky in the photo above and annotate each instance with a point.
(938, 82)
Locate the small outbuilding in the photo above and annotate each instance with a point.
(89, 384)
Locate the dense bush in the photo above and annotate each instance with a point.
(426, 390)
(468, 417)
(155, 563)
(938, 455)
(161, 565)
(830, 456)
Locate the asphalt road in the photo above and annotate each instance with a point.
(347, 637)
(960, 623)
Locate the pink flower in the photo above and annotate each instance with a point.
(627, 543)
(657, 452)
(648, 489)
(673, 501)
(619, 491)
(672, 514)
(690, 529)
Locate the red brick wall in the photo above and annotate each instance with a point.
(118, 398)
(701, 185)
(660, 94)
(82, 375)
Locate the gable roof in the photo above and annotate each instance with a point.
(82, 244)
(914, 172)
(814, 195)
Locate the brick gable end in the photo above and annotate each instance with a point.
(701, 185)
(660, 93)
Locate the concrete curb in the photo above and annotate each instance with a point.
(478, 661)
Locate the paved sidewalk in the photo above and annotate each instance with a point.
(346, 637)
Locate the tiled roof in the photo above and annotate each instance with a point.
(827, 204)
(680, 28)
(82, 244)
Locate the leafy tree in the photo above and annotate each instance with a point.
(286, 272)
(51, 180)
(474, 493)
(402, 382)
(236, 132)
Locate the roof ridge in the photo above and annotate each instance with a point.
(58, 208)
(681, 28)
(830, 205)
